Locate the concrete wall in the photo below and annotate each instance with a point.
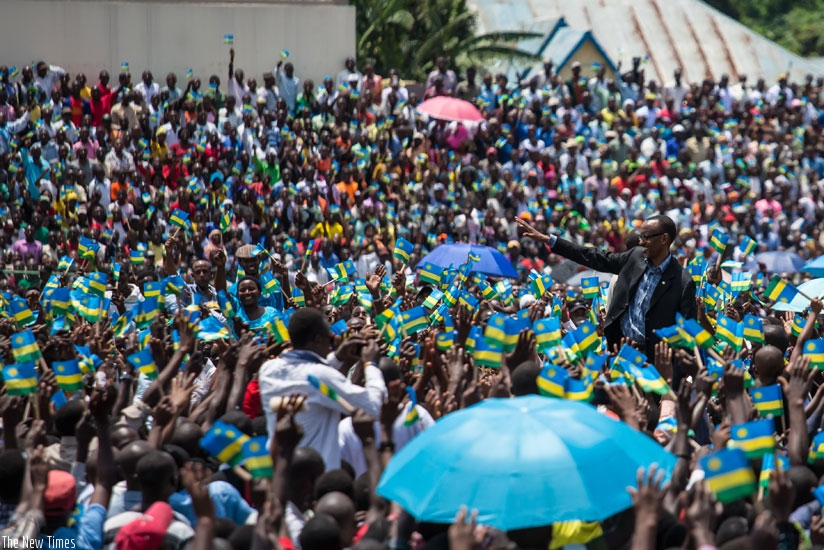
(88, 36)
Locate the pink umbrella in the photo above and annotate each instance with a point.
(450, 108)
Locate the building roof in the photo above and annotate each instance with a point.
(671, 33)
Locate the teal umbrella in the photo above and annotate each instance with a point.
(523, 462)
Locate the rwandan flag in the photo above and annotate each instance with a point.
(814, 349)
(24, 347)
(144, 362)
(488, 355)
(412, 416)
(780, 291)
(730, 332)
(552, 381)
(728, 475)
(225, 442)
(68, 374)
(256, 457)
(753, 329)
(429, 274)
(547, 333)
(415, 320)
(767, 400)
(579, 390)
(768, 464)
(20, 378)
(587, 337)
(816, 448)
(755, 438)
(591, 287)
(403, 249)
(719, 240)
(747, 245)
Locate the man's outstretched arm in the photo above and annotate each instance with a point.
(605, 262)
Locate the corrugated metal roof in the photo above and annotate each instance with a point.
(686, 33)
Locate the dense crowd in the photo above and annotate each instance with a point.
(220, 325)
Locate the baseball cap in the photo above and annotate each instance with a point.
(148, 531)
(245, 251)
(575, 305)
(60, 495)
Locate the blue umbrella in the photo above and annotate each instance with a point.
(780, 261)
(523, 462)
(815, 267)
(492, 262)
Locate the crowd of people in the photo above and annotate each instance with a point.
(219, 325)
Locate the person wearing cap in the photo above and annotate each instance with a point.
(651, 287)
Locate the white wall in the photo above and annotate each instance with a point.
(88, 36)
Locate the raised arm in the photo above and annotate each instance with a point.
(606, 262)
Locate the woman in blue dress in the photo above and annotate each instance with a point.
(254, 315)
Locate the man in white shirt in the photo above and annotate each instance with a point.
(147, 88)
(47, 76)
(676, 90)
(348, 70)
(310, 356)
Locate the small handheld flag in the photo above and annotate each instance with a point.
(552, 381)
(780, 291)
(256, 457)
(814, 349)
(755, 438)
(767, 400)
(728, 475)
(412, 416)
(403, 250)
(68, 374)
(228, 39)
(719, 240)
(224, 442)
(144, 362)
(20, 378)
(329, 392)
(24, 347)
(284, 54)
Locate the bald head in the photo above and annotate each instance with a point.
(341, 508)
(128, 458)
(768, 364)
(123, 435)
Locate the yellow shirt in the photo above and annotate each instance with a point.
(331, 230)
(574, 532)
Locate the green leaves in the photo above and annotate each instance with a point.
(409, 35)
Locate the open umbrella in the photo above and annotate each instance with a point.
(523, 462)
(815, 267)
(780, 261)
(492, 262)
(450, 108)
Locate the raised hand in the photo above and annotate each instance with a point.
(462, 533)
(530, 232)
(195, 478)
(288, 432)
(364, 426)
(648, 497)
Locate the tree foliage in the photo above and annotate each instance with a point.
(794, 24)
(409, 35)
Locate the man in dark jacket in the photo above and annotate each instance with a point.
(651, 287)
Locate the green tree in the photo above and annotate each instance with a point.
(410, 35)
(794, 24)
